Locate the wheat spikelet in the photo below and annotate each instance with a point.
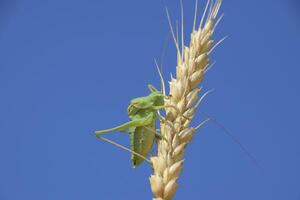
(192, 63)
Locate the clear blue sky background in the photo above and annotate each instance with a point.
(68, 68)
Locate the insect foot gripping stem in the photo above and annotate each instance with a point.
(176, 109)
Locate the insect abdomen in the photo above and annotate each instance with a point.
(142, 140)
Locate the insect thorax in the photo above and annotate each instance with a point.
(157, 98)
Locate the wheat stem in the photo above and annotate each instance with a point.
(184, 95)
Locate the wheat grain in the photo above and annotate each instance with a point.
(192, 62)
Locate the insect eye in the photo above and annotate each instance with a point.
(136, 105)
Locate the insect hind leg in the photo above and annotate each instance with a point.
(124, 148)
(126, 126)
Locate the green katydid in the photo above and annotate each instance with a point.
(142, 112)
(142, 128)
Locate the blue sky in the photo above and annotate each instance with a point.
(68, 68)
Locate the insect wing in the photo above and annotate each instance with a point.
(142, 140)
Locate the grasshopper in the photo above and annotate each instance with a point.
(142, 112)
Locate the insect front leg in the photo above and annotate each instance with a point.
(174, 107)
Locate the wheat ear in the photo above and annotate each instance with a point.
(192, 63)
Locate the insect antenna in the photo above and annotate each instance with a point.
(234, 139)
(228, 133)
